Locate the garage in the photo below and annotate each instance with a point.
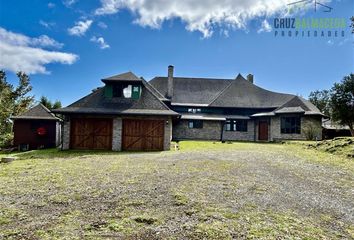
(91, 133)
(143, 135)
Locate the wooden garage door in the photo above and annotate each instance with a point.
(147, 135)
(91, 133)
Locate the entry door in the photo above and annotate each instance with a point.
(263, 131)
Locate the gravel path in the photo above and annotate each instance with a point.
(186, 195)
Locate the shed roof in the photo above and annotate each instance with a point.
(38, 112)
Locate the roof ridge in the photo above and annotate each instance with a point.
(202, 78)
(219, 94)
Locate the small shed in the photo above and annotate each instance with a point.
(37, 128)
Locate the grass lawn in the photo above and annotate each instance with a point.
(205, 190)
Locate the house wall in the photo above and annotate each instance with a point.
(211, 131)
(25, 132)
(307, 123)
(240, 136)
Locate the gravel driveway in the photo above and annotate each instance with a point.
(219, 194)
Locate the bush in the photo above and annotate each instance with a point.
(6, 140)
(312, 132)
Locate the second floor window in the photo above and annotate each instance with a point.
(194, 110)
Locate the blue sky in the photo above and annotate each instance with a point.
(114, 36)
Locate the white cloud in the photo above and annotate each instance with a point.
(51, 5)
(101, 42)
(265, 27)
(47, 24)
(69, 3)
(21, 53)
(102, 25)
(80, 28)
(198, 15)
(330, 42)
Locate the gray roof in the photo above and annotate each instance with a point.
(97, 103)
(212, 117)
(237, 93)
(128, 76)
(231, 93)
(38, 112)
(191, 90)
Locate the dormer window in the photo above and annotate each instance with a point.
(123, 91)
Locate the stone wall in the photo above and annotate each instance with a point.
(308, 123)
(240, 136)
(168, 134)
(211, 131)
(117, 134)
(66, 135)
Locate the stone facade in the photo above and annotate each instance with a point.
(168, 134)
(308, 123)
(117, 134)
(240, 136)
(211, 131)
(66, 135)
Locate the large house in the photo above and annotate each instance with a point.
(129, 113)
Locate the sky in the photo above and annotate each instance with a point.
(68, 46)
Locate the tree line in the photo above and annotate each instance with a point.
(337, 102)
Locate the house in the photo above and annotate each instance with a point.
(236, 109)
(37, 128)
(129, 113)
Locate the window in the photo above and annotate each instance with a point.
(127, 91)
(195, 124)
(194, 110)
(236, 125)
(291, 125)
(117, 90)
(123, 90)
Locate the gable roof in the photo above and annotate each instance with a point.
(128, 76)
(96, 103)
(298, 105)
(244, 94)
(38, 112)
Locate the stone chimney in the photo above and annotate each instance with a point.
(250, 78)
(170, 82)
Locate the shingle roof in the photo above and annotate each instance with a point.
(191, 90)
(96, 102)
(128, 76)
(298, 105)
(220, 92)
(39, 112)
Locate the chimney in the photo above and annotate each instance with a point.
(250, 78)
(170, 82)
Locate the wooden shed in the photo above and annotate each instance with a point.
(35, 129)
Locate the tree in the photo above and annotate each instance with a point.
(352, 24)
(321, 99)
(13, 101)
(48, 104)
(342, 102)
